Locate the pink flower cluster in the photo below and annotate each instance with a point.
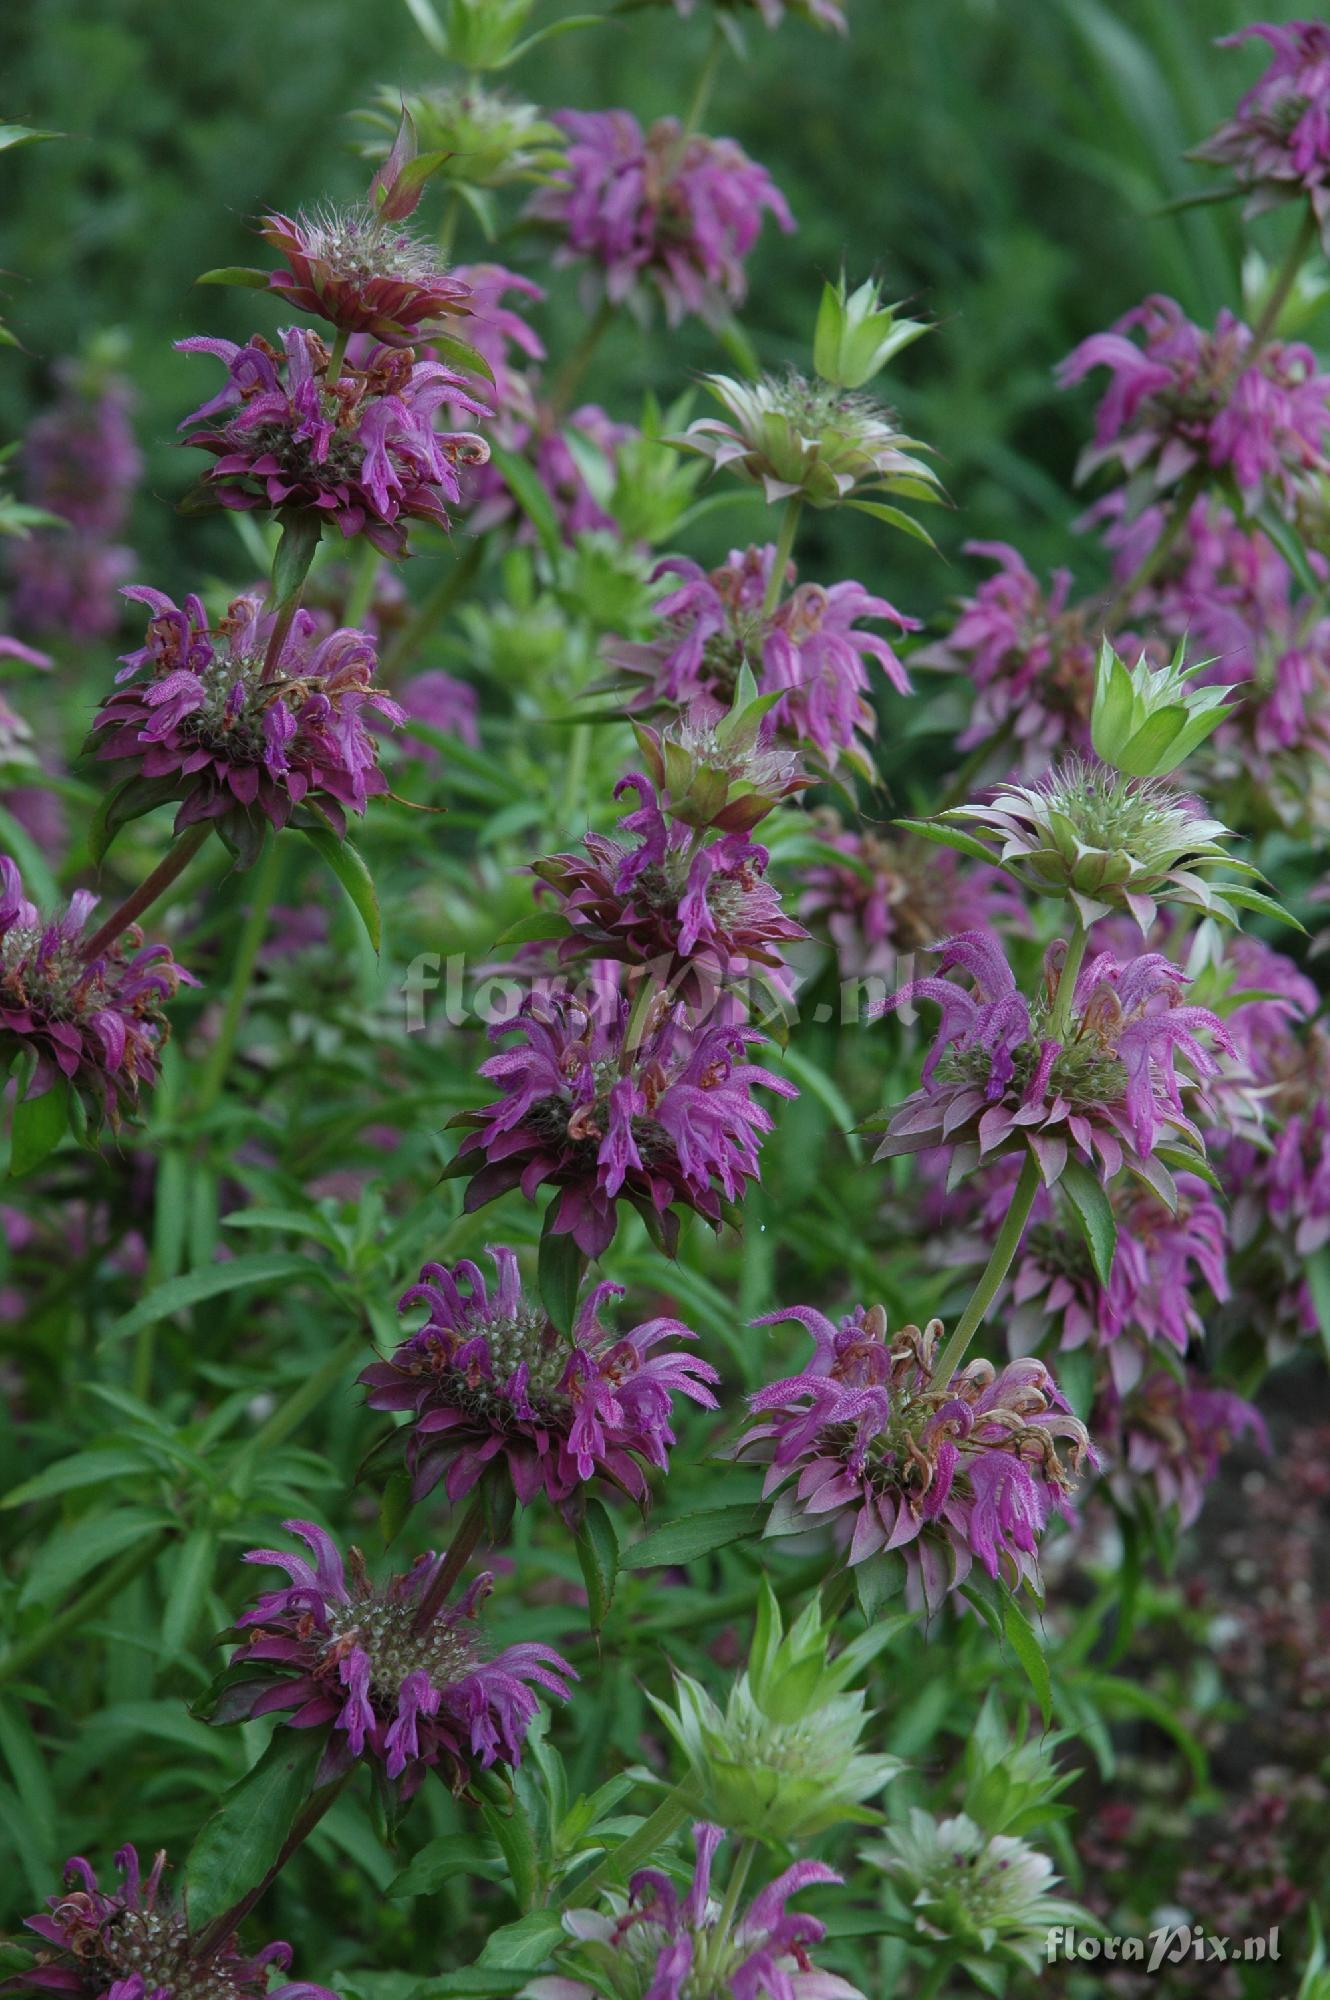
(1278, 140)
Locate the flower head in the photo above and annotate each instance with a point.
(133, 1943)
(1167, 1437)
(791, 435)
(659, 1114)
(1183, 400)
(361, 451)
(701, 916)
(899, 1464)
(783, 1759)
(1105, 1090)
(418, 1699)
(673, 210)
(813, 650)
(657, 1945)
(988, 1893)
(364, 274)
(96, 1022)
(487, 139)
(1278, 140)
(79, 459)
(726, 775)
(488, 1378)
(208, 718)
(442, 703)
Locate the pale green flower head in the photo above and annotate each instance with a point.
(782, 1760)
(487, 140)
(1146, 720)
(857, 335)
(987, 1894)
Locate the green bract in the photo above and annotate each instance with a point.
(781, 1761)
(986, 1894)
(1146, 720)
(489, 140)
(857, 335)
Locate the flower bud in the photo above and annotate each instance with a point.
(724, 774)
(1146, 720)
(857, 335)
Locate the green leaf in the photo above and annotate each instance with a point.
(895, 518)
(598, 1553)
(37, 1127)
(244, 1837)
(1025, 1645)
(535, 929)
(348, 865)
(187, 1592)
(87, 1468)
(1094, 1213)
(1265, 906)
(531, 497)
(235, 274)
(439, 1860)
(70, 1554)
(558, 1274)
(301, 528)
(1318, 1284)
(395, 1506)
(694, 1535)
(525, 1945)
(23, 135)
(547, 33)
(38, 880)
(237, 1274)
(949, 836)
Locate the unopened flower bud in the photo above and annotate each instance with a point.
(1146, 720)
(857, 335)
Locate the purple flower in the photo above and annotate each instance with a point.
(1169, 1435)
(444, 703)
(418, 1700)
(38, 810)
(664, 1118)
(892, 1460)
(674, 210)
(207, 716)
(887, 897)
(1030, 658)
(544, 442)
(1105, 1092)
(1278, 139)
(488, 1377)
(362, 451)
(672, 1942)
(98, 1023)
(700, 916)
(812, 649)
(131, 1943)
(1183, 400)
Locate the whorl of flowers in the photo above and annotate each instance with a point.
(442, 703)
(677, 211)
(417, 1698)
(363, 274)
(812, 649)
(701, 916)
(1183, 400)
(1168, 1435)
(1278, 140)
(893, 1461)
(489, 1378)
(1030, 658)
(133, 1943)
(361, 451)
(98, 1023)
(880, 897)
(655, 1112)
(791, 434)
(1105, 1091)
(657, 1945)
(205, 713)
(990, 1893)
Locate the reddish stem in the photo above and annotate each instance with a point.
(152, 886)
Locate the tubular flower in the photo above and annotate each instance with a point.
(790, 435)
(658, 1946)
(987, 1893)
(364, 274)
(880, 898)
(361, 451)
(131, 1943)
(1030, 657)
(488, 1377)
(812, 650)
(207, 718)
(1167, 1436)
(1106, 1093)
(418, 1700)
(658, 1118)
(1280, 1185)
(700, 916)
(1278, 140)
(676, 211)
(79, 462)
(1183, 400)
(98, 1023)
(895, 1462)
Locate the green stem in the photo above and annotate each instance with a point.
(75, 1614)
(337, 356)
(734, 1888)
(221, 1927)
(281, 628)
(467, 1533)
(574, 368)
(574, 789)
(994, 1271)
(702, 89)
(1067, 977)
(936, 1977)
(361, 594)
(250, 943)
(1120, 603)
(654, 1831)
(784, 548)
(177, 859)
(1285, 280)
(452, 215)
(451, 585)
